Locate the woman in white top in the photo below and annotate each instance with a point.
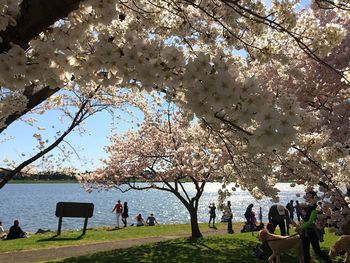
(2, 231)
(139, 220)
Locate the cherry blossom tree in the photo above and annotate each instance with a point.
(256, 104)
(320, 151)
(164, 153)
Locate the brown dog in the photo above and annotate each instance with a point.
(342, 244)
(279, 244)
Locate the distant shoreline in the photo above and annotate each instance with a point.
(42, 181)
(68, 181)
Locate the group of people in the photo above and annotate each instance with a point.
(14, 232)
(282, 217)
(307, 214)
(227, 216)
(122, 211)
(294, 208)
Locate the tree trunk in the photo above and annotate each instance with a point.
(195, 232)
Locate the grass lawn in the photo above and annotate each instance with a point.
(73, 238)
(224, 248)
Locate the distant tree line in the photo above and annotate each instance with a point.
(40, 176)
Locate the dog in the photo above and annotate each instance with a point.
(279, 244)
(341, 245)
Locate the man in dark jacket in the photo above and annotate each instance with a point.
(15, 231)
(279, 216)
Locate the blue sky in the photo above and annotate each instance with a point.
(88, 145)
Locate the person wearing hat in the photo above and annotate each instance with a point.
(279, 216)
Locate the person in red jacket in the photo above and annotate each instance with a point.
(118, 208)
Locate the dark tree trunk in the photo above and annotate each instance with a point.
(35, 17)
(34, 99)
(191, 204)
(195, 232)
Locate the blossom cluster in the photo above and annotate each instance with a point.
(112, 43)
(181, 151)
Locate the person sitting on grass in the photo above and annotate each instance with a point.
(139, 220)
(2, 232)
(151, 220)
(15, 231)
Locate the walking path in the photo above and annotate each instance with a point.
(74, 251)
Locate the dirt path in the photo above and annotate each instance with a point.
(73, 251)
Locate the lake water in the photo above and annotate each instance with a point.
(34, 204)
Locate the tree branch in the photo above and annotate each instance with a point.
(35, 17)
(78, 118)
(34, 99)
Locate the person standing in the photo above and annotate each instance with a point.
(212, 213)
(229, 216)
(290, 208)
(298, 210)
(307, 229)
(118, 208)
(125, 214)
(279, 216)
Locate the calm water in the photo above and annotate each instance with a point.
(34, 204)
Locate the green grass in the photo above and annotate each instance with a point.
(71, 238)
(224, 248)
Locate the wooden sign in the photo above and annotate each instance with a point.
(73, 209)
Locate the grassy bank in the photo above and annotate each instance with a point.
(224, 248)
(73, 238)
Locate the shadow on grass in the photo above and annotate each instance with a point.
(114, 229)
(182, 250)
(58, 238)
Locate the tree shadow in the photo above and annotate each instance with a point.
(114, 229)
(58, 238)
(198, 250)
